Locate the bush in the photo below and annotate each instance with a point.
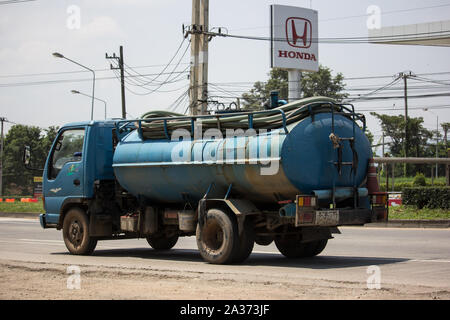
(419, 180)
(430, 197)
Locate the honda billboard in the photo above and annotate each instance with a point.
(294, 34)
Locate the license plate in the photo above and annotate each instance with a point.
(327, 217)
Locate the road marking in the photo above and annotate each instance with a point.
(40, 240)
(430, 260)
(52, 243)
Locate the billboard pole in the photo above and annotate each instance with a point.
(294, 85)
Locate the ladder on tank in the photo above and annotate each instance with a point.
(338, 143)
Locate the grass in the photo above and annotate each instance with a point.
(18, 206)
(412, 213)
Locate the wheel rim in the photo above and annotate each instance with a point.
(76, 233)
(213, 236)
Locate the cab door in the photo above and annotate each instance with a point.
(64, 173)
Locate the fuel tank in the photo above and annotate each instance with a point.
(263, 166)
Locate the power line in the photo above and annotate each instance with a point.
(17, 84)
(434, 95)
(167, 65)
(375, 91)
(14, 1)
(338, 40)
(168, 78)
(382, 13)
(77, 71)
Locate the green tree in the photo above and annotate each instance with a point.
(17, 179)
(321, 83)
(418, 137)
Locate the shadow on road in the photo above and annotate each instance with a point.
(255, 259)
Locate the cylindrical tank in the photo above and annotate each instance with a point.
(263, 167)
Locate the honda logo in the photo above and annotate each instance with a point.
(298, 32)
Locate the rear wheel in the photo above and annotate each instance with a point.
(292, 248)
(218, 239)
(162, 242)
(76, 233)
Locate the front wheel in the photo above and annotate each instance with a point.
(76, 233)
(218, 238)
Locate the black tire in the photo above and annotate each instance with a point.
(162, 242)
(316, 247)
(218, 239)
(292, 248)
(263, 240)
(76, 233)
(246, 242)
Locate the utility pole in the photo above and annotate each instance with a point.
(445, 126)
(198, 91)
(122, 77)
(405, 76)
(382, 151)
(1, 157)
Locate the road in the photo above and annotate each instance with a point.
(395, 263)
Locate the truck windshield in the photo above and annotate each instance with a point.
(68, 148)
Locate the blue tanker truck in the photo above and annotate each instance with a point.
(291, 174)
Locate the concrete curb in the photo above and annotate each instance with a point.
(411, 224)
(26, 215)
(443, 223)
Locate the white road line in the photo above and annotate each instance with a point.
(51, 243)
(430, 260)
(40, 240)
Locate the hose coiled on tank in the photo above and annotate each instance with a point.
(294, 112)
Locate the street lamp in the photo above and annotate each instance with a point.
(84, 94)
(59, 55)
(437, 136)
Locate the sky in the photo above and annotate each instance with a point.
(35, 87)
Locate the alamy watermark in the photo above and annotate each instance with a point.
(74, 17)
(239, 147)
(374, 18)
(374, 278)
(74, 280)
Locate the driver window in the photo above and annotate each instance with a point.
(68, 148)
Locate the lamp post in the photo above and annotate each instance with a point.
(59, 55)
(86, 95)
(437, 136)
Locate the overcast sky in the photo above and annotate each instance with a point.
(151, 32)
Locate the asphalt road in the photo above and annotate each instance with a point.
(411, 263)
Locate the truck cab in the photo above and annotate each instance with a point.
(80, 157)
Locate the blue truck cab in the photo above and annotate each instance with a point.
(80, 157)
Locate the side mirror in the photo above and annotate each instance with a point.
(27, 159)
(27, 156)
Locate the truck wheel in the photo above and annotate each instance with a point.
(292, 248)
(162, 242)
(76, 233)
(263, 240)
(246, 242)
(218, 239)
(315, 247)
